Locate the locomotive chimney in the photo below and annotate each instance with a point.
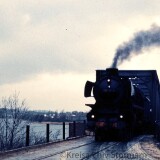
(112, 72)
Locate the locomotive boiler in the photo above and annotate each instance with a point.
(118, 111)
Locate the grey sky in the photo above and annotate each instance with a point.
(54, 39)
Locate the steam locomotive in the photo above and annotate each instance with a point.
(118, 112)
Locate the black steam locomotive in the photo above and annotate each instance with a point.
(118, 111)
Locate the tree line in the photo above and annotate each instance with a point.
(43, 116)
(54, 116)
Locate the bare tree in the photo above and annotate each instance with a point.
(12, 127)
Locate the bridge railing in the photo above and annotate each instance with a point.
(55, 132)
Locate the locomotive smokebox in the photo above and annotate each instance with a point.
(112, 72)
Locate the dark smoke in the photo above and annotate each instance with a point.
(141, 40)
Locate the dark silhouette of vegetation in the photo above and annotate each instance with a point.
(46, 116)
(54, 116)
(11, 122)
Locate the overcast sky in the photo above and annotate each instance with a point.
(48, 49)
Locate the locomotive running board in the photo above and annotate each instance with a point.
(90, 105)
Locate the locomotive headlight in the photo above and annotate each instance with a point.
(92, 116)
(108, 80)
(121, 116)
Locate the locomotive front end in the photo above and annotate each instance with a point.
(111, 114)
(109, 90)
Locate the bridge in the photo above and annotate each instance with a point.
(144, 147)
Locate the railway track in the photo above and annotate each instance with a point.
(100, 150)
(86, 149)
(103, 151)
(59, 153)
(79, 152)
(120, 150)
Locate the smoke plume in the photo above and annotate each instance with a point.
(141, 40)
